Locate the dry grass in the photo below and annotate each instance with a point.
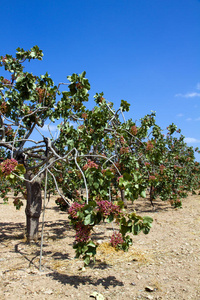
(109, 255)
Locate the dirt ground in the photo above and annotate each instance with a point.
(165, 264)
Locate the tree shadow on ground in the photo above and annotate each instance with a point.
(34, 253)
(11, 231)
(57, 230)
(144, 205)
(27, 256)
(100, 265)
(75, 280)
(60, 256)
(15, 231)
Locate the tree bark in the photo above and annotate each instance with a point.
(151, 195)
(33, 208)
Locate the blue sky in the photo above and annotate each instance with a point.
(144, 51)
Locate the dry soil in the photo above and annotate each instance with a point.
(165, 264)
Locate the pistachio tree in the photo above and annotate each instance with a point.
(26, 103)
(86, 155)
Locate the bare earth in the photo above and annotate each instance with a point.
(162, 265)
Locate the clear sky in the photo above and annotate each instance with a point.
(144, 51)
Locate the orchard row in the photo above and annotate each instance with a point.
(96, 163)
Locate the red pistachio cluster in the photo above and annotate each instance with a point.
(116, 239)
(124, 150)
(6, 81)
(79, 85)
(133, 130)
(74, 209)
(3, 107)
(42, 94)
(152, 177)
(17, 203)
(162, 167)
(8, 131)
(84, 116)
(147, 164)
(82, 232)
(149, 146)
(8, 166)
(81, 127)
(111, 143)
(122, 140)
(177, 167)
(90, 164)
(106, 208)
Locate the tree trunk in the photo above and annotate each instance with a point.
(151, 198)
(33, 208)
(123, 198)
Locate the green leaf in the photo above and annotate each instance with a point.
(110, 218)
(127, 176)
(83, 249)
(21, 168)
(147, 219)
(136, 228)
(143, 194)
(20, 78)
(80, 214)
(135, 177)
(89, 220)
(91, 244)
(91, 251)
(146, 230)
(96, 185)
(124, 229)
(125, 105)
(87, 260)
(11, 176)
(109, 173)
